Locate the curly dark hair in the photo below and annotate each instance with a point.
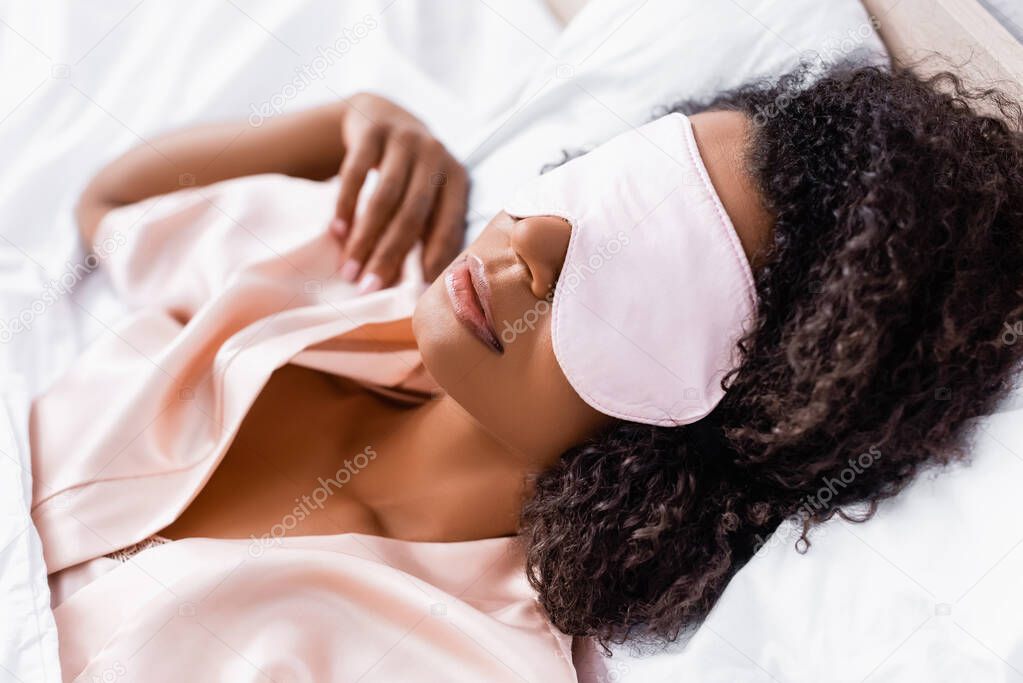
(894, 268)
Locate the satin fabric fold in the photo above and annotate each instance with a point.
(229, 283)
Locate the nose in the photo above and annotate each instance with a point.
(541, 242)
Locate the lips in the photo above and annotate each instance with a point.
(469, 292)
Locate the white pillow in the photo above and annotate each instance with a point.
(619, 61)
(928, 590)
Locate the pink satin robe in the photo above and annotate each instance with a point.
(228, 283)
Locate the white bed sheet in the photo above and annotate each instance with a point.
(506, 90)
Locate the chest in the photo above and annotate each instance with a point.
(318, 456)
(297, 465)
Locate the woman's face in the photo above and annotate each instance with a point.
(492, 353)
(483, 327)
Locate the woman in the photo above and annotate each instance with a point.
(805, 272)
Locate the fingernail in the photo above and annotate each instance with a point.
(350, 270)
(370, 282)
(339, 227)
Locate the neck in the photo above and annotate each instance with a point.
(439, 459)
(445, 435)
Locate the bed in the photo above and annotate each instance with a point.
(983, 41)
(926, 591)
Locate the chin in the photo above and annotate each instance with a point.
(437, 333)
(425, 321)
(448, 350)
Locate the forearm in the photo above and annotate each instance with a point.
(306, 144)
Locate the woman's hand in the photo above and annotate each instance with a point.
(421, 194)
(422, 191)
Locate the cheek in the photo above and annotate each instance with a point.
(521, 397)
(539, 407)
(550, 412)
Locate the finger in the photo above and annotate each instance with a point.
(394, 172)
(363, 153)
(404, 229)
(445, 232)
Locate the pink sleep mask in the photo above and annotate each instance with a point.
(655, 290)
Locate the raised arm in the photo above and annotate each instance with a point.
(306, 144)
(421, 194)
